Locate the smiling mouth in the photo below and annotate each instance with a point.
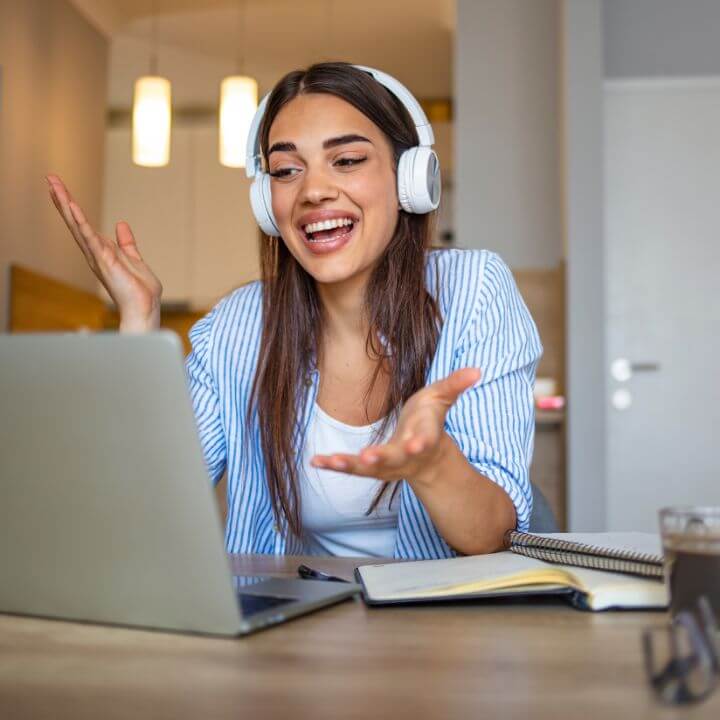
(328, 236)
(328, 231)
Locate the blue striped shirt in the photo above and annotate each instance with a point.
(485, 324)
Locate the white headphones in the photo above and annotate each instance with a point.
(418, 172)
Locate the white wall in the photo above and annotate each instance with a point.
(608, 38)
(508, 195)
(648, 38)
(529, 176)
(585, 281)
(599, 38)
(52, 119)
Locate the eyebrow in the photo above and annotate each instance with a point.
(327, 144)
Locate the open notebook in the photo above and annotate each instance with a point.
(507, 574)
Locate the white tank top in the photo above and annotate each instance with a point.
(334, 503)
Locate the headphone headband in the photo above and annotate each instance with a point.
(422, 125)
(253, 162)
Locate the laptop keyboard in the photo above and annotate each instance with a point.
(251, 604)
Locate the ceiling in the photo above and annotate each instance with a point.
(198, 40)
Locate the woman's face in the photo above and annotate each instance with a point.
(334, 192)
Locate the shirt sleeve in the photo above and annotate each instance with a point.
(493, 422)
(205, 398)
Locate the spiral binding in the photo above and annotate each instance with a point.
(594, 557)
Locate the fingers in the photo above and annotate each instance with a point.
(104, 253)
(424, 435)
(61, 199)
(334, 462)
(449, 388)
(419, 432)
(351, 464)
(90, 237)
(377, 461)
(387, 456)
(59, 187)
(126, 241)
(92, 245)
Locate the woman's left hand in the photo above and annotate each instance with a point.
(416, 447)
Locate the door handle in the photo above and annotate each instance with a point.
(645, 367)
(622, 369)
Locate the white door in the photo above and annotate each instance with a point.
(662, 225)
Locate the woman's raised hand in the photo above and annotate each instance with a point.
(117, 263)
(419, 440)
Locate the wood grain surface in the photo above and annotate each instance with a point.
(469, 660)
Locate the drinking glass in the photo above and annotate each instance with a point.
(691, 545)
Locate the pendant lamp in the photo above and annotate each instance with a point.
(238, 103)
(151, 117)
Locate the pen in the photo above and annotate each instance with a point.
(307, 573)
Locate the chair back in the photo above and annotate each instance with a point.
(542, 519)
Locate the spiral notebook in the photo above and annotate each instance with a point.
(510, 574)
(631, 553)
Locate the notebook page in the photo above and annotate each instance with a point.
(608, 589)
(394, 580)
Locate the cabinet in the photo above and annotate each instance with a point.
(544, 293)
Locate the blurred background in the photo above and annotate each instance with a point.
(580, 139)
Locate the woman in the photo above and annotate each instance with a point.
(343, 392)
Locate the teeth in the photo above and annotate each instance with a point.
(327, 224)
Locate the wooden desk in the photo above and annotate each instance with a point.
(470, 661)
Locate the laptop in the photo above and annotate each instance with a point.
(107, 513)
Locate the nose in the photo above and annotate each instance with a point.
(317, 186)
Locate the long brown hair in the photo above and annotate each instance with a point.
(398, 307)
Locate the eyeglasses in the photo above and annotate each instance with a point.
(682, 659)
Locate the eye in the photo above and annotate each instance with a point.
(349, 162)
(283, 172)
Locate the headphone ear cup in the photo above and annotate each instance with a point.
(418, 177)
(261, 204)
